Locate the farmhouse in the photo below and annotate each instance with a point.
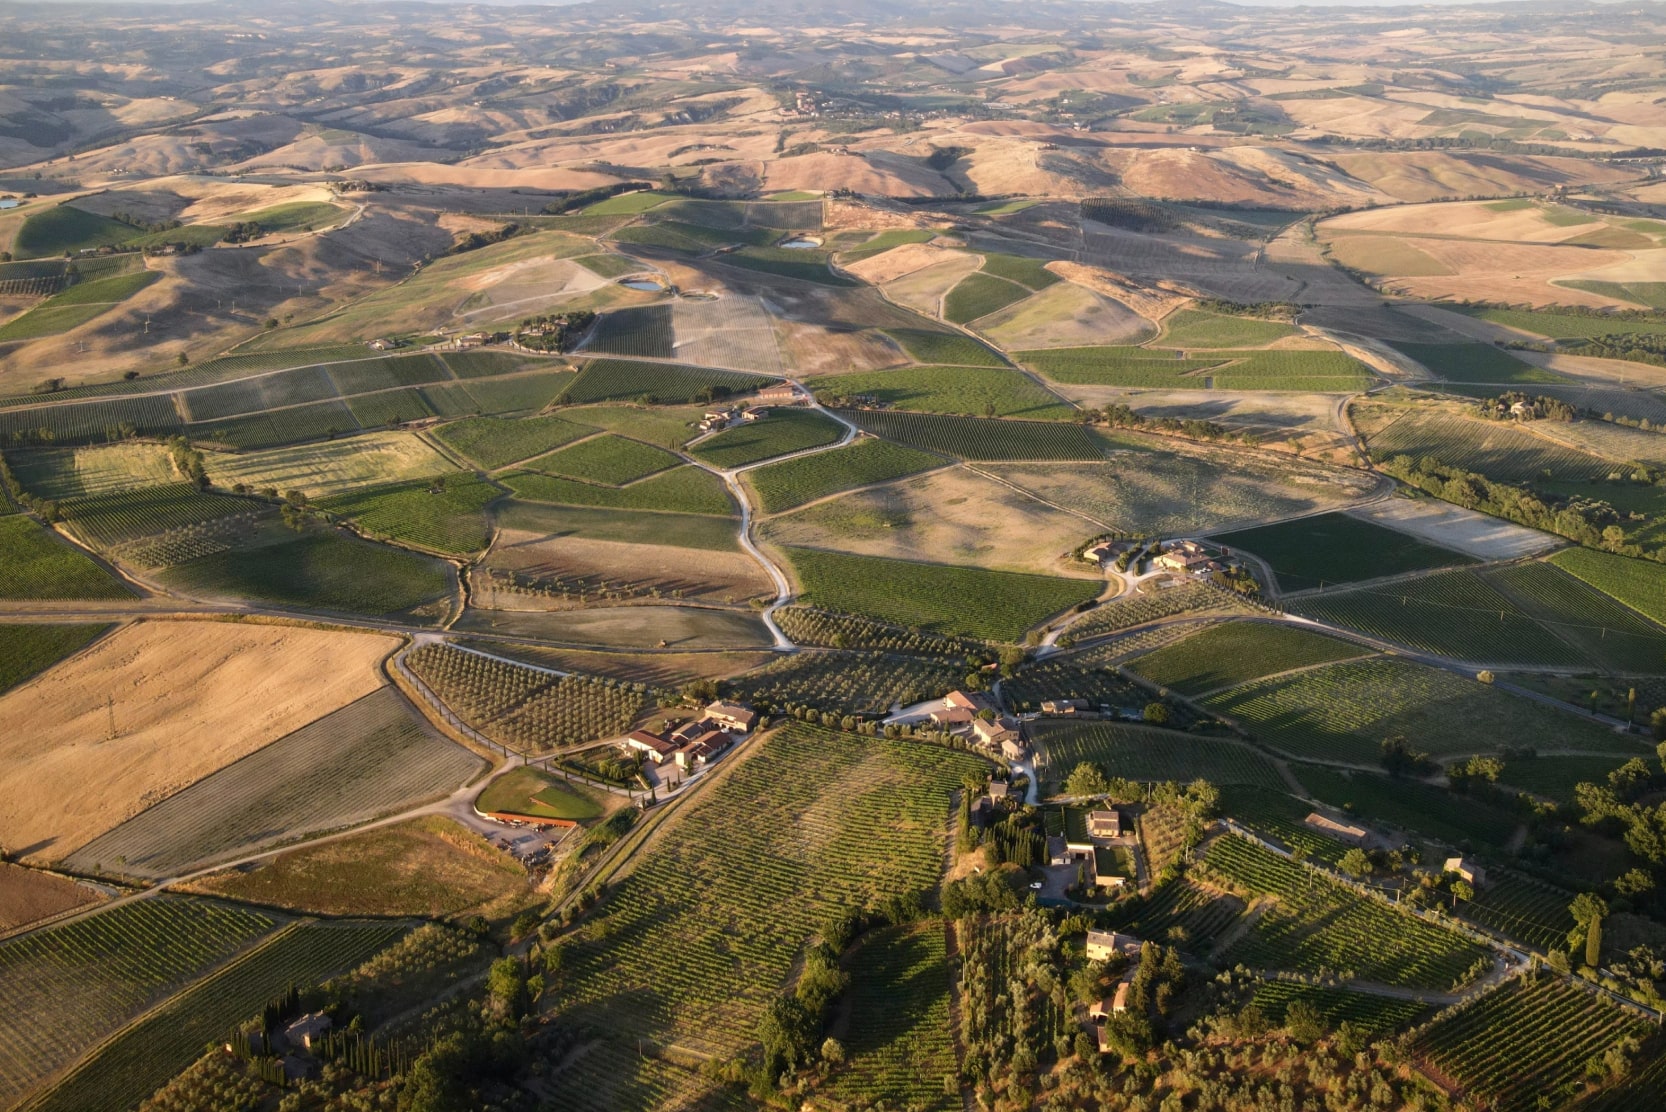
(656, 748)
(951, 717)
(717, 419)
(1013, 749)
(1104, 944)
(999, 790)
(784, 393)
(1468, 871)
(734, 717)
(1063, 708)
(1105, 824)
(995, 731)
(1183, 556)
(756, 413)
(473, 340)
(1058, 850)
(703, 750)
(962, 700)
(305, 1031)
(1353, 835)
(1099, 553)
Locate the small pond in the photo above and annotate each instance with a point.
(646, 284)
(801, 243)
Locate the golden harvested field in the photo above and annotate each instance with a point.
(188, 698)
(923, 289)
(714, 578)
(687, 628)
(953, 516)
(1467, 531)
(888, 266)
(27, 895)
(429, 867)
(323, 469)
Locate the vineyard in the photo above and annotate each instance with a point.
(492, 442)
(666, 383)
(979, 438)
(323, 569)
(1145, 754)
(35, 564)
(808, 626)
(782, 486)
(1344, 711)
(848, 682)
(1638, 584)
(89, 422)
(64, 988)
(978, 295)
(1199, 328)
(642, 331)
(719, 908)
(1375, 1016)
(1476, 363)
(1337, 548)
(1080, 675)
(28, 650)
(1154, 603)
(1280, 818)
(525, 709)
(522, 393)
(317, 421)
(1412, 806)
(783, 431)
(607, 459)
(1233, 653)
(1118, 366)
(950, 349)
(442, 515)
(144, 1056)
(1524, 1043)
(1493, 449)
(1521, 908)
(1455, 614)
(900, 1046)
(1024, 270)
(1319, 926)
(1180, 913)
(936, 598)
(369, 758)
(1612, 635)
(686, 489)
(968, 391)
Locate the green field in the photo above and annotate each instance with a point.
(1024, 270)
(717, 911)
(1198, 328)
(1454, 614)
(34, 564)
(1141, 753)
(664, 383)
(1317, 925)
(1477, 363)
(805, 266)
(937, 598)
(628, 203)
(608, 460)
(97, 291)
(782, 486)
(28, 650)
(637, 330)
(322, 569)
(945, 348)
(1638, 584)
(971, 391)
(783, 431)
(1337, 548)
(1118, 366)
(979, 438)
(449, 518)
(492, 442)
(49, 320)
(302, 215)
(144, 1056)
(885, 241)
(53, 231)
(686, 489)
(66, 987)
(978, 295)
(1555, 777)
(1651, 294)
(528, 791)
(1232, 653)
(1411, 806)
(1344, 711)
(1561, 326)
(901, 1046)
(1609, 634)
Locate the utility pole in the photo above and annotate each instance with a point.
(110, 710)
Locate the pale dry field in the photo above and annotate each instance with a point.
(713, 577)
(1065, 315)
(27, 895)
(888, 266)
(523, 288)
(954, 516)
(1467, 531)
(188, 698)
(323, 469)
(923, 290)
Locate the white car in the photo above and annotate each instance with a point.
(1035, 885)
